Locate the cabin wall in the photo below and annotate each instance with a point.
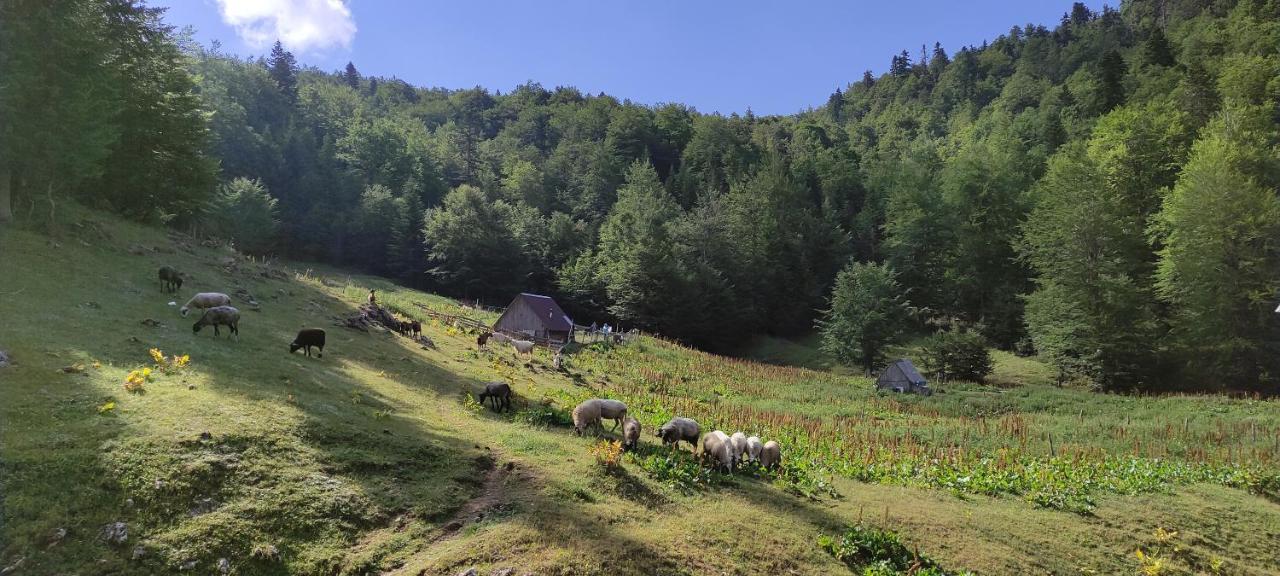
(521, 319)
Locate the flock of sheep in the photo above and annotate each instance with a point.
(725, 451)
(218, 311)
(521, 346)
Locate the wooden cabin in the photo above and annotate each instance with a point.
(537, 317)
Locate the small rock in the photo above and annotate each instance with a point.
(58, 535)
(504, 572)
(139, 551)
(4, 359)
(191, 386)
(172, 303)
(128, 502)
(73, 369)
(152, 323)
(188, 565)
(265, 552)
(224, 565)
(13, 567)
(137, 250)
(469, 572)
(206, 436)
(134, 339)
(93, 305)
(159, 484)
(115, 533)
(202, 506)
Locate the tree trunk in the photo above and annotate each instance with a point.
(6, 206)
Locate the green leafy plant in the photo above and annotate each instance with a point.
(876, 552)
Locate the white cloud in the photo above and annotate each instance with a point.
(302, 25)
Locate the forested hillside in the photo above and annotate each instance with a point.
(1102, 191)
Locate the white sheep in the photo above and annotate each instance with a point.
(586, 414)
(719, 449)
(771, 455)
(523, 346)
(204, 301)
(614, 410)
(754, 446)
(500, 338)
(677, 429)
(739, 442)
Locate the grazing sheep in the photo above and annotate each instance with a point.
(771, 455)
(523, 346)
(498, 394)
(415, 327)
(205, 301)
(677, 429)
(500, 338)
(614, 410)
(630, 434)
(219, 316)
(719, 449)
(483, 339)
(170, 279)
(306, 338)
(586, 414)
(739, 442)
(753, 448)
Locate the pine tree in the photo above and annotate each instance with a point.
(352, 76)
(835, 106)
(284, 70)
(900, 65)
(1156, 50)
(1111, 72)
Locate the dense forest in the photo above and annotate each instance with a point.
(1102, 192)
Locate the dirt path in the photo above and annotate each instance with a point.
(492, 495)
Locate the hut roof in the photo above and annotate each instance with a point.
(901, 370)
(546, 308)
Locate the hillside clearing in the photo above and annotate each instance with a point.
(370, 460)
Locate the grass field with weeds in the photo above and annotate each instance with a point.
(375, 459)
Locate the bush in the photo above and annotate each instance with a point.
(875, 552)
(957, 354)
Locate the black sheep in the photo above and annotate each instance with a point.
(306, 338)
(483, 339)
(170, 279)
(415, 327)
(499, 394)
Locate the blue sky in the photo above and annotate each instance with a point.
(774, 57)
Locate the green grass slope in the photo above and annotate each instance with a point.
(371, 460)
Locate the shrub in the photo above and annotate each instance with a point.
(608, 453)
(678, 470)
(876, 552)
(957, 354)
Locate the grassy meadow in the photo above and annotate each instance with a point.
(375, 459)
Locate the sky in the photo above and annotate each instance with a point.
(718, 56)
